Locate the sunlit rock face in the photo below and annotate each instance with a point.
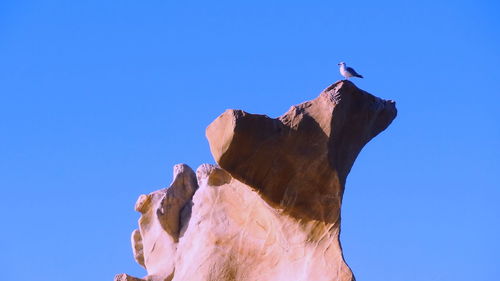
(270, 209)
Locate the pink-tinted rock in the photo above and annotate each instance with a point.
(271, 211)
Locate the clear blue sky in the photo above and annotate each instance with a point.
(100, 98)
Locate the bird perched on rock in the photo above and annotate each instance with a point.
(348, 71)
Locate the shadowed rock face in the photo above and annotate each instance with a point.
(271, 211)
(300, 161)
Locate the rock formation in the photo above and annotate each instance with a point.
(270, 210)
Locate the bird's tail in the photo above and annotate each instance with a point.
(360, 76)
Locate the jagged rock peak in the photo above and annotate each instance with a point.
(270, 210)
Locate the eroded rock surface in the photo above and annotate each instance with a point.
(271, 209)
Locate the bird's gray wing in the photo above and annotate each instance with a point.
(352, 71)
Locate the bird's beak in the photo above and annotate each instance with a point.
(338, 63)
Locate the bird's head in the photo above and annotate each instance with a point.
(341, 63)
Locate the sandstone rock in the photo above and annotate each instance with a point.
(271, 211)
(126, 277)
(160, 223)
(137, 247)
(300, 161)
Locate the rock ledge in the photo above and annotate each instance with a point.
(271, 209)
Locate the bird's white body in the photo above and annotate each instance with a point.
(344, 72)
(348, 71)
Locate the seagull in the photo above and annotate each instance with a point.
(348, 71)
